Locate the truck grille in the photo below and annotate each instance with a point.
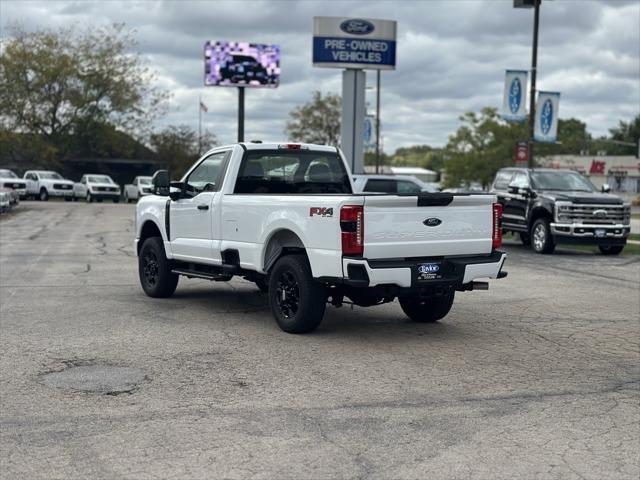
(595, 214)
(106, 189)
(16, 185)
(62, 186)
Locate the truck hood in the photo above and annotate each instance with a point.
(110, 185)
(582, 197)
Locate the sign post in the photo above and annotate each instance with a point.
(354, 44)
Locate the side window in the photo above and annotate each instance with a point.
(381, 185)
(207, 177)
(406, 187)
(520, 180)
(83, 179)
(135, 181)
(503, 179)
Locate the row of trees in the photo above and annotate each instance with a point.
(73, 93)
(483, 143)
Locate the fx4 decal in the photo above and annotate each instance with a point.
(321, 211)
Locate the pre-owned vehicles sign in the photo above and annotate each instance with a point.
(342, 42)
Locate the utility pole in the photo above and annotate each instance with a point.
(534, 68)
(377, 121)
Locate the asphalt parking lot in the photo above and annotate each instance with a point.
(536, 378)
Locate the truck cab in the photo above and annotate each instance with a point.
(549, 206)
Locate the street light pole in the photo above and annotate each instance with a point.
(534, 68)
(377, 121)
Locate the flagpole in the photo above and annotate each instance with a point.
(199, 125)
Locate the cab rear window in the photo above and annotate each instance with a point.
(291, 172)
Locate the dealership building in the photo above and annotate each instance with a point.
(621, 173)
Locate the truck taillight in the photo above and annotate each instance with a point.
(497, 226)
(352, 226)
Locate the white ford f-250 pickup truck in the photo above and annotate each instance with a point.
(285, 216)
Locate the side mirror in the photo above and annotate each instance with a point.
(160, 182)
(513, 189)
(176, 190)
(605, 188)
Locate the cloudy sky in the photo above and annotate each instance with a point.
(451, 57)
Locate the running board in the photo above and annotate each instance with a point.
(207, 276)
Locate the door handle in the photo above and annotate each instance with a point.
(203, 207)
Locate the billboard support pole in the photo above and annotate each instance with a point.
(534, 68)
(240, 114)
(199, 125)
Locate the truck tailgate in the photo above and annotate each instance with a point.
(427, 225)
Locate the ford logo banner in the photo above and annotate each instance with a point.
(357, 27)
(515, 95)
(546, 117)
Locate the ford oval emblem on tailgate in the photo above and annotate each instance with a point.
(432, 222)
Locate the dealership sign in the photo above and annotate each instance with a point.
(343, 42)
(514, 103)
(546, 121)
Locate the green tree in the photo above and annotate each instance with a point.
(177, 147)
(317, 121)
(481, 146)
(57, 83)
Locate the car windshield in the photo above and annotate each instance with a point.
(564, 181)
(7, 174)
(144, 180)
(50, 176)
(99, 179)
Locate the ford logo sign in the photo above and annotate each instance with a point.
(515, 95)
(546, 117)
(429, 268)
(357, 27)
(432, 222)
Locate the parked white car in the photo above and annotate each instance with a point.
(11, 181)
(42, 184)
(5, 201)
(98, 187)
(286, 217)
(140, 187)
(400, 184)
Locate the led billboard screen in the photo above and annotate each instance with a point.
(241, 64)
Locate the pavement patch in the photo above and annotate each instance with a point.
(101, 379)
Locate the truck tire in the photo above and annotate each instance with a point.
(89, 198)
(611, 249)
(44, 195)
(154, 270)
(427, 310)
(525, 238)
(297, 301)
(541, 239)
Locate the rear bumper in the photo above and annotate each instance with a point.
(455, 271)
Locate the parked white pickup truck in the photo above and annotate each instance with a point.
(42, 184)
(285, 217)
(97, 187)
(140, 187)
